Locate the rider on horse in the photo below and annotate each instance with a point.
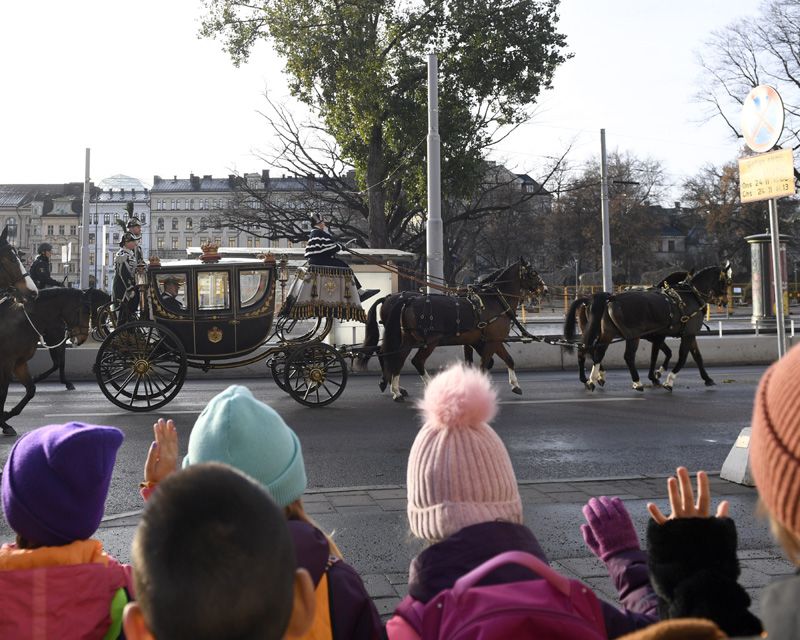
(40, 269)
(321, 251)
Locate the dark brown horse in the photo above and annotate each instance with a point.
(579, 313)
(12, 273)
(22, 326)
(93, 299)
(482, 318)
(672, 312)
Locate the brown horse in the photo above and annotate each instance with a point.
(54, 311)
(481, 318)
(12, 273)
(672, 312)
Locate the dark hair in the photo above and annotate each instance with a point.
(45, 246)
(213, 558)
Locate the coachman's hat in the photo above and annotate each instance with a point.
(127, 237)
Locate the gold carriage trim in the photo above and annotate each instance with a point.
(320, 291)
(340, 312)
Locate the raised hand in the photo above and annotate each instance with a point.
(682, 501)
(162, 458)
(609, 530)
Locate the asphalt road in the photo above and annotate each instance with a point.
(556, 430)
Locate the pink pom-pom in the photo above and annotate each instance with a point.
(458, 397)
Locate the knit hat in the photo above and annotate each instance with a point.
(238, 430)
(775, 440)
(459, 472)
(56, 480)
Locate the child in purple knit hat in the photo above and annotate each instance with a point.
(54, 489)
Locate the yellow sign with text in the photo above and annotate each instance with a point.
(766, 176)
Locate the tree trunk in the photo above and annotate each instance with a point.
(376, 169)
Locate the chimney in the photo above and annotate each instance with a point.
(110, 191)
(231, 180)
(195, 181)
(677, 205)
(174, 178)
(156, 180)
(265, 176)
(133, 193)
(207, 177)
(122, 190)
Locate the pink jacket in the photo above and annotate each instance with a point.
(44, 599)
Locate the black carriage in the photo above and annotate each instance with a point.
(216, 313)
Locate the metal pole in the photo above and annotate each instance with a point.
(608, 283)
(777, 275)
(435, 241)
(84, 258)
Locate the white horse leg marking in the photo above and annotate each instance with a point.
(426, 377)
(594, 375)
(512, 380)
(660, 371)
(397, 396)
(601, 376)
(638, 386)
(670, 379)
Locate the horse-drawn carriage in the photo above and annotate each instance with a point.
(222, 318)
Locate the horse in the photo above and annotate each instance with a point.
(671, 312)
(94, 299)
(579, 313)
(481, 317)
(12, 273)
(23, 325)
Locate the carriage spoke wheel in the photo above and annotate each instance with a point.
(106, 323)
(277, 366)
(315, 375)
(141, 366)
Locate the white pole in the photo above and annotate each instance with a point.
(435, 241)
(608, 283)
(85, 216)
(777, 275)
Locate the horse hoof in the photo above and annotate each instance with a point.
(590, 386)
(400, 398)
(656, 382)
(403, 392)
(710, 383)
(517, 390)
(638, 388)
(8, 430)
(668, 387)
(382, 385)
(602, 382)
(70, 387)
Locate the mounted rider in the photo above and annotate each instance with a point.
(126, 295)
(321, 251)
(40, 269)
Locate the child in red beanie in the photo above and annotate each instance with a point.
(56, 581)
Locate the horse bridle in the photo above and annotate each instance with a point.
(11, 276)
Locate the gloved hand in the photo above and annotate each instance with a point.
(610, 529)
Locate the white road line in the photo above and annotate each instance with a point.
(161, 412)
(566, 400)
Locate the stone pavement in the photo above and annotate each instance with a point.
(369, 524)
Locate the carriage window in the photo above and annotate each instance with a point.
(172, 291)
(253, 284)
(213, 290)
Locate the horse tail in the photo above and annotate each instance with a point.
(596, 311)
(570, 321)
(371, 336)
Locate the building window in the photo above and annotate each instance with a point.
(201, 203)
(92, 238)
(188, 241)
(249, 242)
(180, 203)
(73, 230)
(115, 238)
(188, 223)
(231, 242)
(49, 229)
(670, 245)
(191, 204)
(160, 224)
(203, 241)
(174, 242)
(205, 203)
(91, 259)
(174, 224)
(256, 242)
(62, 229)
(159, 204)
(160, 243)
(217, 241)
(143, 218)
(106, 218)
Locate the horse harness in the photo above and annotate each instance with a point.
(675, 298)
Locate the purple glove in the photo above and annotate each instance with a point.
(610, 530)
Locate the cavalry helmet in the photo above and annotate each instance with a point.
(127, 237)
(45, 246)
(133, 222)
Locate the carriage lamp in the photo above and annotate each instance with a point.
(283, 276)
(140, 275)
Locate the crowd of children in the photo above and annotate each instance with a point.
(225, 549)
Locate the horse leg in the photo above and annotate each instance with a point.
(654, 349)
(5, 380)
(398, 393)
(505, 356)
(54, 358)
(667, 356)
(62, 356)
(683, 352)
(24, 376)
(601, 370)
(695, 351)
(421, 356)
(582, 366)
(468, 354)
(630, 359)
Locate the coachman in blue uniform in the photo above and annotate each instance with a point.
(40, 269)
(321, 250)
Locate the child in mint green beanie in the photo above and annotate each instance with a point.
(236, 429)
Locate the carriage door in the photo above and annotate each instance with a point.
(215, 321)
(255, 305)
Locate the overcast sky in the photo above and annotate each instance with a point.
(132, 81)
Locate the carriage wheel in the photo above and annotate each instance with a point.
(316, 374)
(277, 366)
(106, 323)
(141, 366)
(297, 330)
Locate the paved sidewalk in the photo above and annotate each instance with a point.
(369, 524)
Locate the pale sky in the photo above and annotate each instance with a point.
(132, 81)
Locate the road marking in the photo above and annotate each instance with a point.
(565, 400)
(168, 412)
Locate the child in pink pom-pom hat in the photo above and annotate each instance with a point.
(463, 499)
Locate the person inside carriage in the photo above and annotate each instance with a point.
(40, 269)
(321, 251)
(169, 296)
(126, 295)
